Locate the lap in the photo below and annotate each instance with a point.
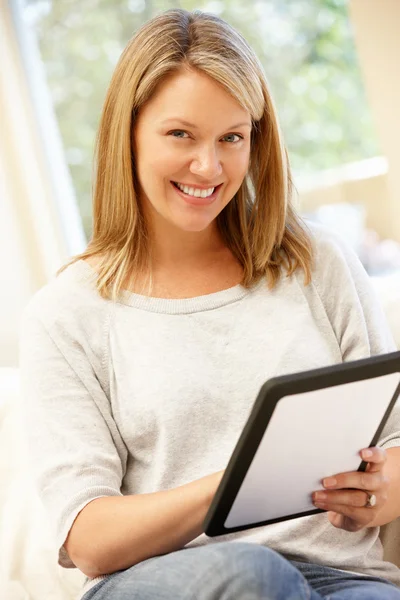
(332, 584)
(231, 570)
(220, 571)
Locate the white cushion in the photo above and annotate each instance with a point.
(28, 566)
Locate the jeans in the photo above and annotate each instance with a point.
(236, 570)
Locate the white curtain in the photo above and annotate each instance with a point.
(39, 222)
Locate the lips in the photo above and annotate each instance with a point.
(195, 187)
(197, 200)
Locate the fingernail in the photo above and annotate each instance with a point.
(329, 482)
(320, 496)
(366, 453)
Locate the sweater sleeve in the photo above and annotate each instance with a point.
(75, 451)
(353, 309)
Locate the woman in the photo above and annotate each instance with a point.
(142, 359)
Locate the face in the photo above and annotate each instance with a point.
(192, 149)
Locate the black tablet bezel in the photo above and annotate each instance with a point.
(269, 395)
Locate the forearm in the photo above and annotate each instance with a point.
(391, 508)
(114, 533)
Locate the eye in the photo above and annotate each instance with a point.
(230, 135)
(179, 131)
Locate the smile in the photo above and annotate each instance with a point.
(196, 196)
(194, 191)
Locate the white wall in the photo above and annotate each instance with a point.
(376, 25)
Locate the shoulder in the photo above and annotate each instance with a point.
(335, 261)
(64, 329)
(329, 245)
(69, 298)
(347, 295)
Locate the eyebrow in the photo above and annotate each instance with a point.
(193, 126)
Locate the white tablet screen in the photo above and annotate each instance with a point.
(310, 436)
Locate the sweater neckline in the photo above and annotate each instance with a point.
(169, 305)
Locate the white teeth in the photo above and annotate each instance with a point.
(195, 192)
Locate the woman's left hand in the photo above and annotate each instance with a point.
(346, 495)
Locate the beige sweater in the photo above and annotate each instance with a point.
(147, 394)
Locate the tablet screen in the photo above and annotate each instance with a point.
(310, 436)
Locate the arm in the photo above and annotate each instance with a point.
(77, 455)
(361, 330)
(126, 530)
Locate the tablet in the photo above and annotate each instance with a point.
(302, 428)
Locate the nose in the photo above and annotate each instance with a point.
(206, 164)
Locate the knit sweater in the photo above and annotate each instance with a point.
(147, 394)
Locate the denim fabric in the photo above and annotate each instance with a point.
(228, 571)
(333, 584)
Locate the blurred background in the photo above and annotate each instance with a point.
(333, 71)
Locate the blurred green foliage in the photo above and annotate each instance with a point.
(306, 47)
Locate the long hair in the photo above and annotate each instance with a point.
(259, 224)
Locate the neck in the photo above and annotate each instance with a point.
(176, 249)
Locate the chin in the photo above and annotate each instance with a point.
(193, 225)
(192, 228)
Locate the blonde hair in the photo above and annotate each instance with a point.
(259, 224)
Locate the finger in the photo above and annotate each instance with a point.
(342, 522)
(358, 480)
(361, 516)
(376, 458)
(354, 498)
